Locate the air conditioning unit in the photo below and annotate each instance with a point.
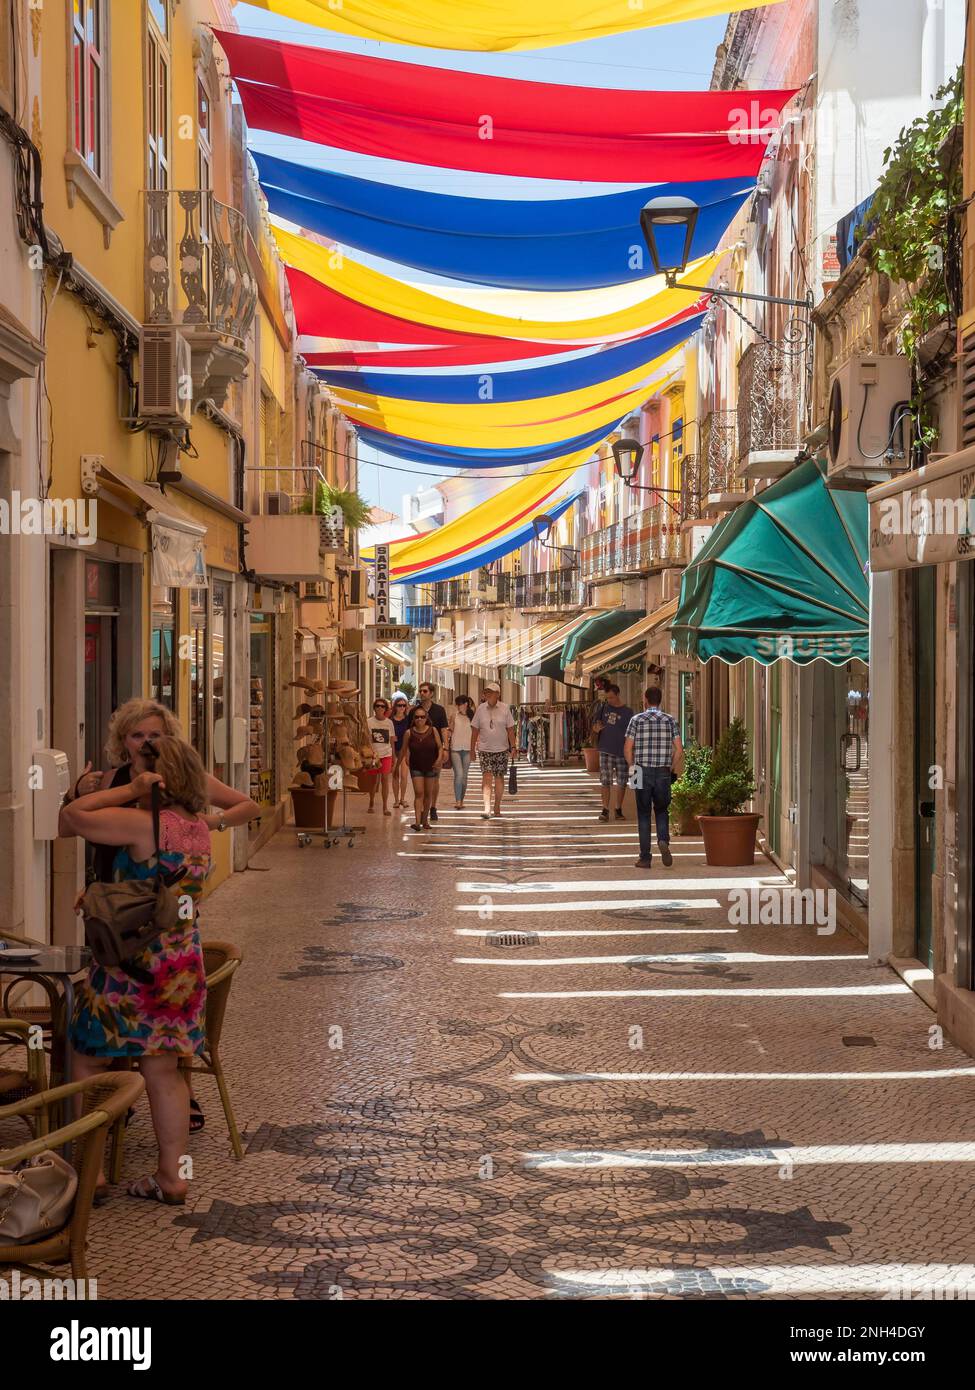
(277, 503)
(315, 588)
(331, 533)
(869, 428)
(358, 589)
(165, 376)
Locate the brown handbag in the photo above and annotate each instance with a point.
(36, 1197)
(122, 919)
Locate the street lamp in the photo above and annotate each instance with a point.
(663, 217)
(542, 525)
(627, 456)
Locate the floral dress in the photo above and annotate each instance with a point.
(117, 1016)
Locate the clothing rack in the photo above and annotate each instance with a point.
(550, 732)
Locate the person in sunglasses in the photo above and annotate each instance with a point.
(437, 718)
(400, 716)
(383, 736)
(423, 751)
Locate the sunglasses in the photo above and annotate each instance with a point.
(421, 717)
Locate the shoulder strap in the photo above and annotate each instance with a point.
(156, 801)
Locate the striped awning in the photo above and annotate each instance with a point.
(637, 633)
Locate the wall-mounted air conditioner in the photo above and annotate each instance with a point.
(869, 429)
(358, 589)
(277, 503)
(165, 376)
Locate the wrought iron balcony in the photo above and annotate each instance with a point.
(768, 409)
(198, 278)
(649, 539)
(551, 589)
(718, 458)
(692, 489)
(450, 594)
(421, 618)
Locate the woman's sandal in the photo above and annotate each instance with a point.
(148, 1190)
(197, 1117)
(101, 1194)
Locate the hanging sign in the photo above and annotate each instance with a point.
(382, 633)
(381, 594)
(178, 561)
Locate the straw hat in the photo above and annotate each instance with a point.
(343, 687)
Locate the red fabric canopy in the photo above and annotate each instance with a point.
(462, 99)
(323, 312)
(529, 153)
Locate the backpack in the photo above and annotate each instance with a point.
(122, 919)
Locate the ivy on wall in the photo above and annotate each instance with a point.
(911, 233)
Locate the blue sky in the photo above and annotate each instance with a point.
(669, 57)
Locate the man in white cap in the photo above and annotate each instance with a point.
(493, 741)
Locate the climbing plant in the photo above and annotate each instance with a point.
(911, 231)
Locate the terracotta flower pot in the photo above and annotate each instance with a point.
(729, 841)
(591, 756)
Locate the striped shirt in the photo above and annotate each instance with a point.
(653, 734)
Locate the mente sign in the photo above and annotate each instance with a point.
(388, 632)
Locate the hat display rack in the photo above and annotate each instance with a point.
(334, 756)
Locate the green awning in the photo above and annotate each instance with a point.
(599, 628)
(782, 576)
(630, 661)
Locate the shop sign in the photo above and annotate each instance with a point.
(178, 561)
(382, 585)
(388, 632)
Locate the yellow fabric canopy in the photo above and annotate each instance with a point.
(489, 520)
(435, 425)
(498, 26)
(488, 413)
(592, 325)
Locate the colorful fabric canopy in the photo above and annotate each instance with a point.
(528, 153)
(488, 523)
(784, 576)
(418, 306)
(525, 384)
(474, 559)
(458, 456)
(572, 243)
(505, 25)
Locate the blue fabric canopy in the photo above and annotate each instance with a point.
(446, 456)
(524, 384)
(546, 244)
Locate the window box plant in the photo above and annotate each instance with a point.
(729, 832)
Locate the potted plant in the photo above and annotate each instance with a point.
(728, 831)
(687, 798)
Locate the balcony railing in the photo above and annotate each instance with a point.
(718, 458)
(450, 594)
(692, 489)
(768, 400)
(648, 539)
(552, 589)
(201, 243)
(422, 618)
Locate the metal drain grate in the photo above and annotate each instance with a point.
(512, 938)
(863, 1040)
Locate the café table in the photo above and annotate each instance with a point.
(52, 965)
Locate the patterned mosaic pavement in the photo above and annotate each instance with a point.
(648, 1101)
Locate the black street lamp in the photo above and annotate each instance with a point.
(627, 456)
(542, 525)
(665, 217)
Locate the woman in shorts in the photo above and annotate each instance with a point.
(423, 752)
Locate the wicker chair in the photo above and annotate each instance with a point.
(105, 1098)
(17, 1084)
(220, 961)
(47, 1016)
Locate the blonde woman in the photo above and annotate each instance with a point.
(156, 1012)
(133, 730)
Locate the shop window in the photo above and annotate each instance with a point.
(220, 673)
(688, 708)
(198, 729)
(162, 677)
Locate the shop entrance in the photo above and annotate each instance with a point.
(925, 757)
(262, 687)
(102, 607)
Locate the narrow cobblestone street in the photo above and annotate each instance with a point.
(646, 1100)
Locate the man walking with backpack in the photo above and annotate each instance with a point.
(655, 756)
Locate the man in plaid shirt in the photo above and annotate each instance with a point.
(655, 756)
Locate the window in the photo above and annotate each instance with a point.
(204, 155)
(162, 679)
(157, 98)
(88, 81)
(198, 673)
